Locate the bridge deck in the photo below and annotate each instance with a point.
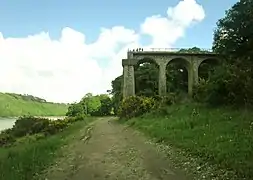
(171, 52)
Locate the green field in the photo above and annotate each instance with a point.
(220, 136)
(17, 105)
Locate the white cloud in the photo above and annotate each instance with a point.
(165, 31)
(64, 70)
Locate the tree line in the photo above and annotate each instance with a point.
(91, 105)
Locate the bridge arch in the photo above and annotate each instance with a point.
(207, 66)
(146, 76)
(184, 61)
(146, 60)
(177, 73)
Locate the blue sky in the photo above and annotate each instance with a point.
(31, 17)
(76, 47)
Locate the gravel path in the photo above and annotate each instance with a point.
(107, 150)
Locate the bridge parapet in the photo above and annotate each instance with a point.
(171, 50)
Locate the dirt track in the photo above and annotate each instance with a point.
(110, 151)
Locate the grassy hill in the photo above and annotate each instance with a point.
(17, 105)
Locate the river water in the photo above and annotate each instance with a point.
(6, 123)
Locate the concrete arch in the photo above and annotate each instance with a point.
(184, 61)
(205, 66)
(211, 60)
(146, 60)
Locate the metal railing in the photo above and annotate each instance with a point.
(179, 50)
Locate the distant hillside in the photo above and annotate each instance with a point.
(16, 105)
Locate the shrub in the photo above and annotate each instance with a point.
(200, 91)
(230, 84)
(167, 100)
(56, 126)
(39, 125)
(135, 106)
(6, 138)
(29, 125)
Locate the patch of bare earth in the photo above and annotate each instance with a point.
(107, 150)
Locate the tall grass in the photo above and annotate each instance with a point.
(221, 136)
(28, 157)
(15, 105)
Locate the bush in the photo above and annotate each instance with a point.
(167, 100)
(200, 91)
(39, 125)
(134, 106)
(6, 138)
(56, 126)
(29, 125)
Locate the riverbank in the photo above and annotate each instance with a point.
(30, 155)
(8, 122)
(14, 105)
(218, 141)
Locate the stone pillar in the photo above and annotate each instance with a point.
(131, 81)
(125, 79)
(162, 80)
(195, 73)
(128, 81)
(193, 77)
(190, 81)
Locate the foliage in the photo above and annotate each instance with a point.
(146, 78)
(56, 126)
(6, 138)
(134, 106)
(221, 136)
(117, 94)
(29, 125)
(17, 105)
(75, 109)
(99, 105)
(193, 50)
(233, 35)
(201, 91)
(106, 105)
(231, 82)
(222, 87)
(30, 157)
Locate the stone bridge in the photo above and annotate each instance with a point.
(162, 57)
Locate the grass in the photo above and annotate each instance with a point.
(29, 157)
(16, 105)
(219, 136)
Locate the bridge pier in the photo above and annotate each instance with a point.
(128, 81)
(162, 81)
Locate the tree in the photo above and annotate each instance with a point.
(75, 110)
(146, 79)
(91, 104)
(233, 36)
(232, 81)
(106, 105)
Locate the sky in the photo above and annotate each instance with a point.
(60, 50)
